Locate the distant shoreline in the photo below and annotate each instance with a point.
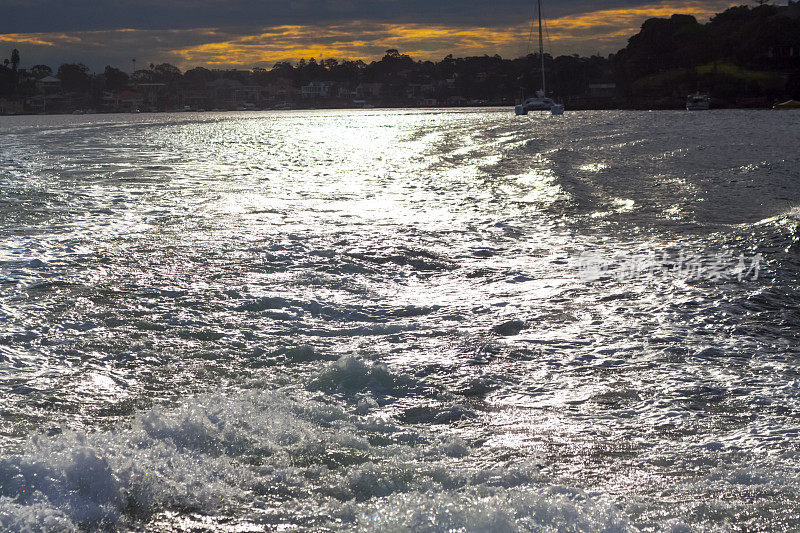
(508, 107)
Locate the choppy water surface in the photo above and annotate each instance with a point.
(382, 321)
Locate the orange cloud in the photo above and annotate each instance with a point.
(594, 29)
(27, 38)
(603, 29)
(350, 41)
(626, 22)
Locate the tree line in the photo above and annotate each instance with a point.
(743, 51)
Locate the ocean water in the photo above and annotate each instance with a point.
(420, 321)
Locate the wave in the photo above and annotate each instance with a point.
(282, 462)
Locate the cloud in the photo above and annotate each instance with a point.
(425, 34)
(41, 16)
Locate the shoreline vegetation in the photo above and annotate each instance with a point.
(744, 57)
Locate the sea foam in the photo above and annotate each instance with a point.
(279, 461)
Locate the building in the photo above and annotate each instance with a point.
(369, 90)
(194, 99)
(222, 92)
(248, 96)
(11, 107)
(155, 95)
(130, 101)
(48, 85)
(420, 90)
(316, 89)
(783, 52)
(347, 93)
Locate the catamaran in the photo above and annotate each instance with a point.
(540, 102)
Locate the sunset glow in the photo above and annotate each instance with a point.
(601, 31)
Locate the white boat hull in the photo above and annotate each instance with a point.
(534, 104)
(698, 102)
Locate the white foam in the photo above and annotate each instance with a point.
(263, 457)
(350, 373)
(503, 511)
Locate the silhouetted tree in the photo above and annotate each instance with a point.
(198, 77)
(115, 79)
(310, 71)
(74, 77)
(166, 73)
(143, 76)
(14, 65)
(663, 44)
(6, 79)
(762, 37)
(40, 71)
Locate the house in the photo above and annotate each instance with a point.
(222, 90)
(369, 90)
(347, 93)
(783, 52)
(48, 85)
(248, 96)
(281, 88)
(130, 100)
(109, 101)
(194, 98)
(11, 107)
(316, 89)
(56, 103)
(419, 90)
(154, 95)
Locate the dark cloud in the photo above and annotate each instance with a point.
(28, 16)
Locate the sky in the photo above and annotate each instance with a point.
(248, 33)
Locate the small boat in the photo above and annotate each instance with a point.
(790, 104)
(537, 103)
(540, 102)
(698, 102)
(557, 109)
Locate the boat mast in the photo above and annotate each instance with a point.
(541, 48)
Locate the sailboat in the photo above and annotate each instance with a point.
(540, 102)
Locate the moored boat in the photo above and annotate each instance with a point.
(540, 102)
(698, 102)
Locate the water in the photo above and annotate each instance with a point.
(382, 321)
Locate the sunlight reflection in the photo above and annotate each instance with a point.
(540, 186)
(593, 167)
